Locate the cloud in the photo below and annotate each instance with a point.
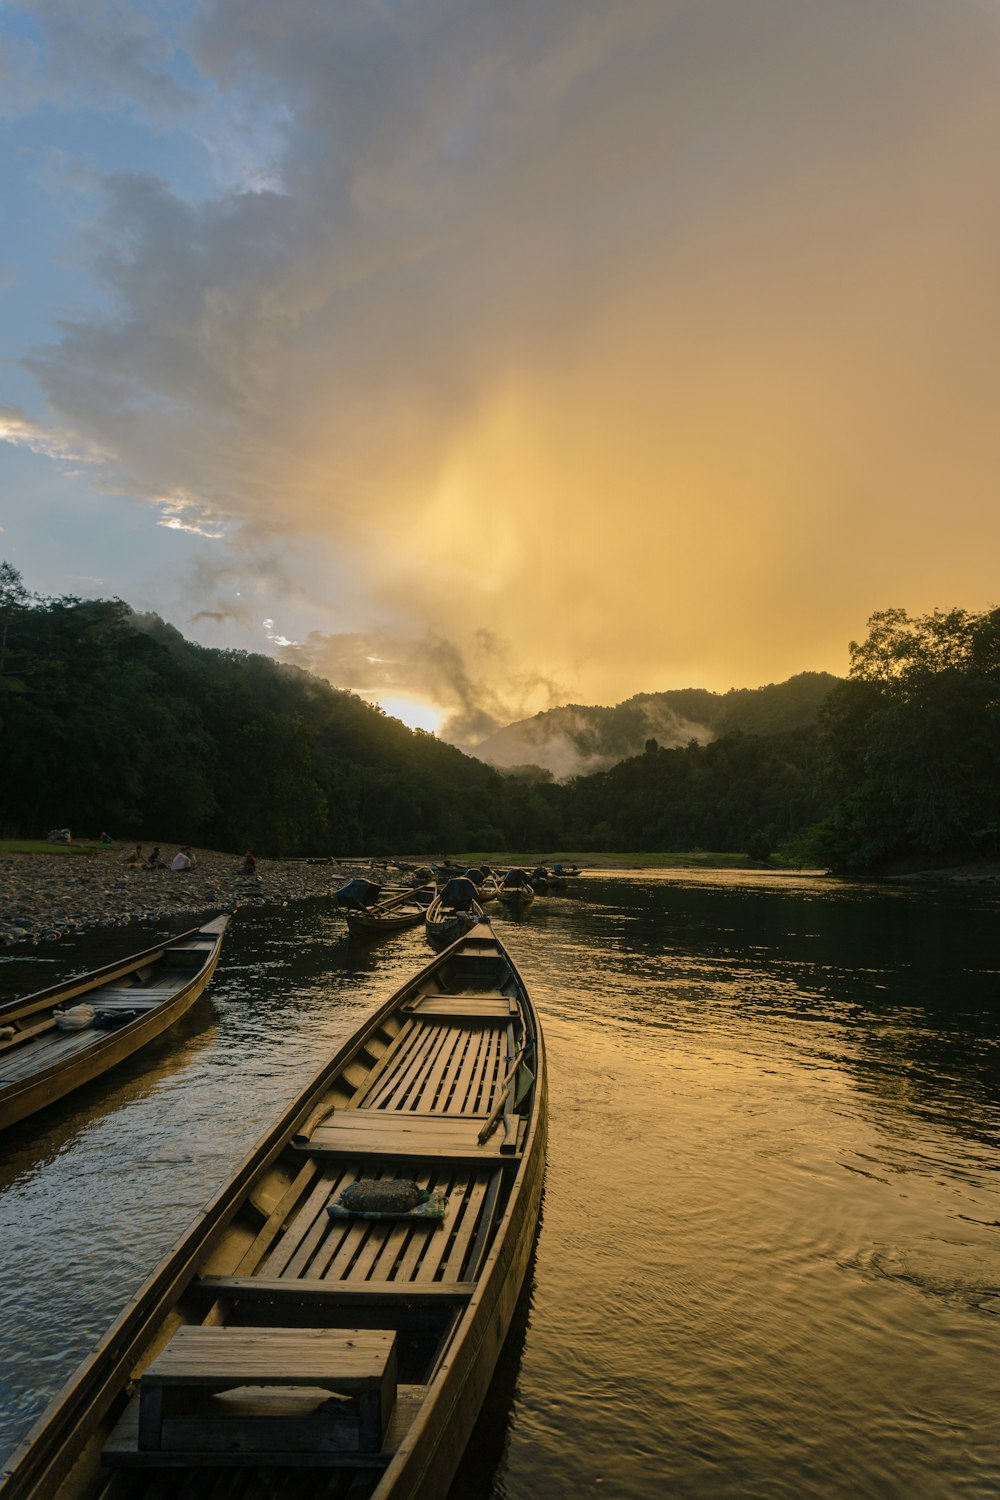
(94, 50)
(651, 336)
(473, 684)
(22, 431)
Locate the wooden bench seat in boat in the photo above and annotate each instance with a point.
(463, 1009)
(357, 1364)
(366, 1134)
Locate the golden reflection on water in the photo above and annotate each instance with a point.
(769, 1261)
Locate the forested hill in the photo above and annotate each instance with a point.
(577, 740)
(109, 720)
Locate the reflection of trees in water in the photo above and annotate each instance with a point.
(476, 1476)
(905, 978)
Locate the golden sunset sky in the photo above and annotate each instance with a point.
(490, 356)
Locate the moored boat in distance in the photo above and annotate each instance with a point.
(454, 911)
(399, 910)
(485, 881)
(55, 1040)
(516, 889)
(332, 1319)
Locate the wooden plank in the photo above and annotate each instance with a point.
(453, 1040)
(272, 1226)
(360, 1363)
(319, 1228)
(454, 1258)
(275, 1263)
(340, 1359)
(394, 1086)
(355, 1235)
(332, 1264)
(463, 1008)
(122, 1454)
(423, 1255)
(403, 1038)
(401, 1130)
(25, 1033)
(340, 1295)
(458, 1102)
(484, 1230)
(52, 1048)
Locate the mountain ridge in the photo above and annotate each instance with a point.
(579, 739)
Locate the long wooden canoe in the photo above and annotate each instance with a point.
(42, 1057)
(447, 919)
(289, 1350)
(399, 910)
(516, 890)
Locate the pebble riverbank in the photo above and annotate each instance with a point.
(45, 897)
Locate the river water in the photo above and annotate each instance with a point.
(769, 1260)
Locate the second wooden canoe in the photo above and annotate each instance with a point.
(44, 1055)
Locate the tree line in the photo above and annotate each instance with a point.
(109, 719)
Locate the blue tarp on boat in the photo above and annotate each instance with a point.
(459, 893)
(358, 893)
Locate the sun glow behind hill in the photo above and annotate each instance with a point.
(414, 712)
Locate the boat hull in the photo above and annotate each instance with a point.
(61, 1459)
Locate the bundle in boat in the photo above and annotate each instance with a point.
(388, 1198)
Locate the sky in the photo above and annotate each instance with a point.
(486, 357)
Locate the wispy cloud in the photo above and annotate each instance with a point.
(22, 431)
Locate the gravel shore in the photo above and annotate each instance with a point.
(44, 897)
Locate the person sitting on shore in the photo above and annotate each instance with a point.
(135, 860)
(249, 863)
(154, 862)
(183, 859)
(105, 839)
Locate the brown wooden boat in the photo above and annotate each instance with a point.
(49, 1046)
(289, 1346)
(397, 911)
(454, 911)
(516, 890)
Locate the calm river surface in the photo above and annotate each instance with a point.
(769, 1261)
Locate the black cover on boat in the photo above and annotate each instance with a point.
(459, 893)
(476, 875)
(515, 877)
(358, 893)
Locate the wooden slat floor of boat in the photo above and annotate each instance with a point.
(440, 1068)
(315, 1247)
(121, 1451)
(43, 1051)
(137, 999)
